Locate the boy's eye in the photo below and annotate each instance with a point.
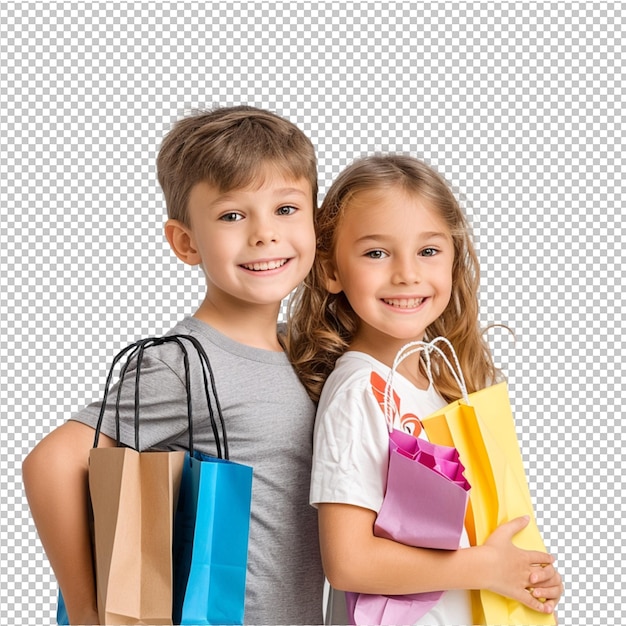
(231, 217)
(376, 254)
(286, 210)
(429, 252)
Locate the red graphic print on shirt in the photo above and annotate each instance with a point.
(410, 422)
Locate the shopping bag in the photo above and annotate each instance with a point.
(62, 617)
(481, 427)
(211, 529)
(133, 500)
(133, 497)
(424, 506)
(426, 496)
(211, 541)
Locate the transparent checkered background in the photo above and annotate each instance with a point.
(518, 105)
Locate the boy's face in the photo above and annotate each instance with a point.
(255, 244)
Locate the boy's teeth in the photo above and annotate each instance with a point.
(265, 265)
(404, 303)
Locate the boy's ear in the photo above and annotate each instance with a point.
(333, 284)
(182, 242)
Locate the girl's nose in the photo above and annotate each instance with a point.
(406, 271)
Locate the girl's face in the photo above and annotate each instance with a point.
(393, 261)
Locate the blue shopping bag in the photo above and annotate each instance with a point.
(62, 618)
(211, 541)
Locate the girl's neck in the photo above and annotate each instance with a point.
(410, 368)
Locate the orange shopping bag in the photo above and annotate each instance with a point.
(481, 427)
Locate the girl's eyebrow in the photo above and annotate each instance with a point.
(435, 235)
(427, 235)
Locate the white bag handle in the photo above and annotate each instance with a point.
(427, 348)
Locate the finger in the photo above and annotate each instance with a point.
(544, 594)
(541, 576)
(518, 524)
(509, 529)
(552, 581)
(527, 598)
(539, 561)
(547, 607)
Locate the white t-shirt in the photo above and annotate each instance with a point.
(351, 448)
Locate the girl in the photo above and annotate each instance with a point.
(395, 263)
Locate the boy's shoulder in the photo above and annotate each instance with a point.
(158, 358)
(219, 346)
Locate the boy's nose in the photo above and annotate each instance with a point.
(263, 232)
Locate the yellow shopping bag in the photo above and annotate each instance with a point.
(482, 428)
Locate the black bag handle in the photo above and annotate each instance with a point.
(137, 350)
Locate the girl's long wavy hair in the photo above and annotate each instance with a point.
(322, 324)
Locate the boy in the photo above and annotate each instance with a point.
(240, 186)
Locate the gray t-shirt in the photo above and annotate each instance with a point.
(269, 422)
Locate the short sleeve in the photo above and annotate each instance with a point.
(350, 450)
(162, 404)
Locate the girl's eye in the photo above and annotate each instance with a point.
(231, 217)
(376, 254)
(429, 252)
(286, 210)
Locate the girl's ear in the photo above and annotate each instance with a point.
(182, 242)
(333, 284)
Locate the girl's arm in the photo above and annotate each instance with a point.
(356, 560)
(56, 485)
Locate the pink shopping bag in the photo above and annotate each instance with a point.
(424, 506)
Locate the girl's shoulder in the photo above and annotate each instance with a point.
(352, 368)
(350, 380)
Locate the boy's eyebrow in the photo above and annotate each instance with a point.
(288, 190)
(284, 191)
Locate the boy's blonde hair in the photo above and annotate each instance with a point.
(230, 148)
(323, 324)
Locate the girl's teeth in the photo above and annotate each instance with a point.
(405, 303)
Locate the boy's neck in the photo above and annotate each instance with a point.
(252, 326)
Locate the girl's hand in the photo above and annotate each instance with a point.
(550, 590)
(527, 576)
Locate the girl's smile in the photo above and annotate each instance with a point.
(393, 261)
(408, 304)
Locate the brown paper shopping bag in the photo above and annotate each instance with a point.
(134, 497)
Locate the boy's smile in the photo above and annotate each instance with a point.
(264, 266)
(255, 244)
